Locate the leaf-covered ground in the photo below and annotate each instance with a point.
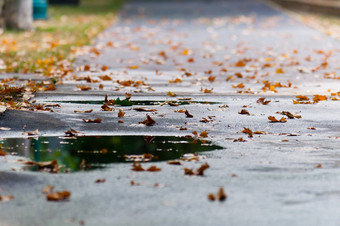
(256, 83)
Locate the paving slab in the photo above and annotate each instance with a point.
(225, 55)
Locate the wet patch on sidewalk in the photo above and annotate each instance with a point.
(97, 152)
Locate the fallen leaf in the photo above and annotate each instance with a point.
(137, 167)
(153, 169)
(105, 78)
(97, 120)
(211, 197)
(204, 134)
(84, 88)
(88, 111)
(121, 113)
(35, 132)
(220, 196)
(71, 133)
(48, 166)
(263, 101)
(58, 196)
(240, 64)
(105, 107)
(244, 112)
(101, 180)
(201, 169)
(174, 162)
(211, 78)
(239, 140)
(289, 115)
(188, 171)
(279, 71)
(273, 119)
(104, 68)
(48, 189)
(145, 109)
(188, 115)
(248, 131)
(240, 85)
(171, 94)
(148, 121)
(6, 198)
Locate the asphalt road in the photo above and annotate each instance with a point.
(286, 174)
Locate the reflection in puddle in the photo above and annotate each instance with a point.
(139, 102)
(90, 152)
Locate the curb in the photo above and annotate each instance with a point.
(2, 109)
(323, 7)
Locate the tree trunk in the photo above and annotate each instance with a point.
(2, 21)
(18, 14)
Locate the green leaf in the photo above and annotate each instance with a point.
(125, 102)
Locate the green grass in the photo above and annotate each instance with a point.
(53, 39)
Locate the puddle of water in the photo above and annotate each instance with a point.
(90, 152)
(138, 102)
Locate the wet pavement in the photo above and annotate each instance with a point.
(199, 69)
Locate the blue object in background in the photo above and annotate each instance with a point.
(40, 9)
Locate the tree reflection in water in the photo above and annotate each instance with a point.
(98, 152)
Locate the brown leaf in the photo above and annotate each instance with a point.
(145, 109)
(211, 78)
(172, 104)
(204, 134)
(87, 68)
(171, 94)
(49, 166)
(48, 189)
(248, 131)
(289, 115)
(71, 133)
(58, 196)
(263, 101)
(240, 64)
(121, 113)
(84, 88)
(188, 114)
(104, 68)
(105, 107)
(174, 162)
(201, 169)
(211, 197)
(100, 180)
(88, 111)
(274, 120)
(6, 198)
(244, 112)
(221, 196)
(188, 171)
(2, 152)
(148, 121)
(35, 132)
(97, 120)
(153, 169)
(240, 85)
(239, 140)
(137, 167)
(105, 78)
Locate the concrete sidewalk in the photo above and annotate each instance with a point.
(221, 56)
